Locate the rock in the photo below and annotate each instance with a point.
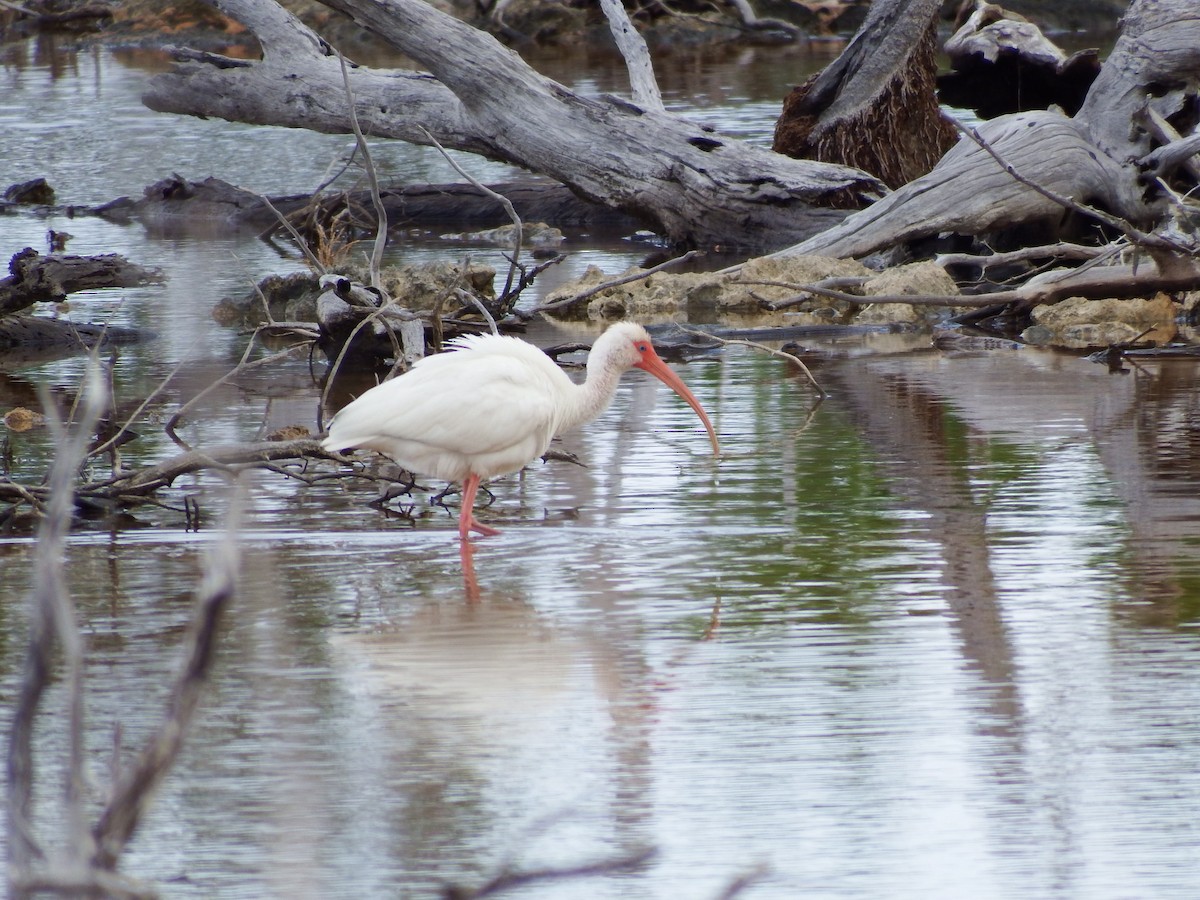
(535, 236)
(920, 279)
(21, 419)
(666, 294)
(36, 192)
(1080, 324)
(790, 274)
(420, 287)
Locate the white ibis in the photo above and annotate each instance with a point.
(491, 406)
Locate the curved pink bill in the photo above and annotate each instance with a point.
(651, 362)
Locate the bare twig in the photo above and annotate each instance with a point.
(132, 794)
(372, 180)
(1061, 250)
(519, 237)
(296, 236)
(133, 417)
(763, 347)
(470, 298)
(242, 366)
(510, 879)
(52, 623)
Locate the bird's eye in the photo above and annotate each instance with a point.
(642, 348)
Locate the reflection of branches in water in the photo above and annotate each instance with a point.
(86, 861)
(510, 879)
(782, 354)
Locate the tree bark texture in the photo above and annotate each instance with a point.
(694, 185)
(875, 106)
(683, 179)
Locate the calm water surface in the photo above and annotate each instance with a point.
(935, 637)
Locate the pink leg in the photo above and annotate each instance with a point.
(466, 521)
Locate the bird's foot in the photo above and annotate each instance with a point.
(466, 528)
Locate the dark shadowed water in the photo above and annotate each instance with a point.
(935, 637)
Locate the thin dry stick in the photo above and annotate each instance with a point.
(868, 299)
(499, 198)
(372, 180)
(242, 365)
(132, 795)
(470, 297)
(52, 622)
(1061, 250)
(745, 343)
(616, 282)
(296, 236)
(133, 417)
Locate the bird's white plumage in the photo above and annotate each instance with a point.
(488, 406)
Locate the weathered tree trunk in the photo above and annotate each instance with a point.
(692, 184)
(1096, 157)
(874, 107)
(686, 181)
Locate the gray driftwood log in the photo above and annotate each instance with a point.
(34, 278)
(679, 177)
(688, 182)
(1096, 157)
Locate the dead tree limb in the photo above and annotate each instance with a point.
(684, 179)
(52, 627)
(34, 278)
(134, 791)
(1089, 158)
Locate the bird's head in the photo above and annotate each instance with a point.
(627, 345)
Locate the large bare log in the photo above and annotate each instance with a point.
(681, 178)
(1091, 158)
(970, 192)
(686, 181)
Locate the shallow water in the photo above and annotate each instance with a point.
(937, 636)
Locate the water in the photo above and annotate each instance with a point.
(935, 637)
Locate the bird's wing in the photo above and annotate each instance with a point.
(458, 412)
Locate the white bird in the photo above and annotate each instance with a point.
(490, 406)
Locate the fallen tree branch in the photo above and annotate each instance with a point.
(1061, 250)
(35, 278)
(782, 354)
(682, 178)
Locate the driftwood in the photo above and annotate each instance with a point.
(688, 182)
(49, 279)
(1002, 63)
(140, 485)
(1021, 161)
(680, 178)
(37, 333)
